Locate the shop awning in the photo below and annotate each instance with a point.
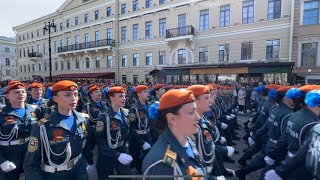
(275, 69)
(108, 75)
(220, 70)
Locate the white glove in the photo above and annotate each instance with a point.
(228, 117)
(232, 115)
(230, 151)
(224, 126)
(125, 159)
(7, 166)
(91, 169)
(251, 141)
(251, 133)
(269, 160)
(271, 175)
(232, 111)
(250, 119)
(146, 146)
(250, 125)
(223, 140)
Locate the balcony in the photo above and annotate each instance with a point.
(87, 46)
(181, 34)
(34, 56)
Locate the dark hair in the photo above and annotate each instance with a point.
(279, 97)
(264, 93)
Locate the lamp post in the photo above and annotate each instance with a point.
(47, 27)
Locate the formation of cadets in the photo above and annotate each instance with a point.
(71, 131)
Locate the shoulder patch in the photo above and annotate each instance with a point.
(33, 144)
(170, 157)
(99, 126)
(132, 117)
(42, 121)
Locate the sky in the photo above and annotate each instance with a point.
(16, 12)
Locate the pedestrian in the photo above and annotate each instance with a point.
(242, 99)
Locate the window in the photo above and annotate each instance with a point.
(123, 8)
(148, 3)
(135, 61)
(272, 49)
(124, 34)
(149, 59)
(55, 46)
(97, 38)
(109, 33)
(248, 12)
(77, 64)
(148, 30)
(23, 37)
(135, 5)
(39, 67)
(38, 48)
(135, 79)
(309, 54)
(182, 23)
(7, 72)
(45, 65)
(33, 68)
(109, 11)
(98, 62)
(311, 12)
(61, 26)
(20, 68)
(56, 65)
(124, 79)
(246, 50)
(162, 2)
(27, 35)
(68, 43)
(86, 39)
(224, 16)
(29, 68)
(76, 41)
(76, 21)
(20, 54)
(44, 48)
(68, 64)
(204, 20)
(162, 57)
(124, 61)
(87, 63)
(7, 50)
(24, 52)
(7, 62)
(135, 30)
(31, 34)
(96, 15)
(44, 32)
(68, 23)
(85, 19)
(109, 61)
(274, 9)
(203, 54)
(224, 52)
(19, 37)
(182, 56)
(62, 65)
(38, 33)
(162, 27)
(25, 68)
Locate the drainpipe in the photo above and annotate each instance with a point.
(117, 40)
(291, 30)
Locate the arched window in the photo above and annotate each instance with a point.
(87, 63)
(182, 56)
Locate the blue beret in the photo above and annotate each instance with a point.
(294, 93)
(260, 88)
(272, 94)
(313, 98)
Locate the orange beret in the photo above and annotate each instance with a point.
(140, 88)
(272, 86)
(14, 85)
(199, 89)
(284, 88)
(117, 89)
(92, 88)
(35, 85)
(64, 85)
(175, 97)
(308, 88)
(158, 86)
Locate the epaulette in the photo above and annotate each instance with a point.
(42, 121)
(106, 112)
(170, 157)
(125, 111)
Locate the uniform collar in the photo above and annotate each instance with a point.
(56, 120)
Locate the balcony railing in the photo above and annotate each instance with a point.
(34, 55)
(180, 31)
(87, 45)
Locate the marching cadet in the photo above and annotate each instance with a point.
(140, 138)
(16, 120)
(56, 143)
(158, 91)
(112, 133)
(93, 108)
(174, 153)
(307, 157)
(36, 92)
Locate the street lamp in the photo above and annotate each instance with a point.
(47, 27)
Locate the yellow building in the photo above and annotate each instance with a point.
(161, 40)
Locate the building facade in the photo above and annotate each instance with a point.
(306, 41)
(8, 58)
(166, 41)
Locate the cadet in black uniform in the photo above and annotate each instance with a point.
(174, 153)
(36, 99)
(112, 133)
(16, 120)
(56, 143)
(140, 138)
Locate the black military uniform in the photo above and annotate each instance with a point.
(14, 134)
(41, 105)
(112, 134)
(54, 152)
